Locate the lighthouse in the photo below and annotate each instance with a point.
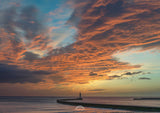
(80, 96)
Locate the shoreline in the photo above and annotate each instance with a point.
(109, 106)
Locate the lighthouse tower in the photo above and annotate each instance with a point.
(80, 96)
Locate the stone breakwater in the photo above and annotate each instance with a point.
(109, 106)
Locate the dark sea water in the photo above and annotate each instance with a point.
(43, 105)
(49, 105)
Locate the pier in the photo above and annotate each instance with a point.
(109, 106)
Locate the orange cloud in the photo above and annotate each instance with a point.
(104, 27)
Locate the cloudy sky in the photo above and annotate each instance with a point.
(62, 47)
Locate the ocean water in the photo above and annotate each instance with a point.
(122, 101)
(43, 105)
(49, 105)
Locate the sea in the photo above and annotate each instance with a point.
(49, 104)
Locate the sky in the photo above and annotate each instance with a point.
(63, 47)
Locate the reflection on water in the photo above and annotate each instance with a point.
(49, 105)
(123, 101)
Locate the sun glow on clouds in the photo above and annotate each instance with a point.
(74, 44)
